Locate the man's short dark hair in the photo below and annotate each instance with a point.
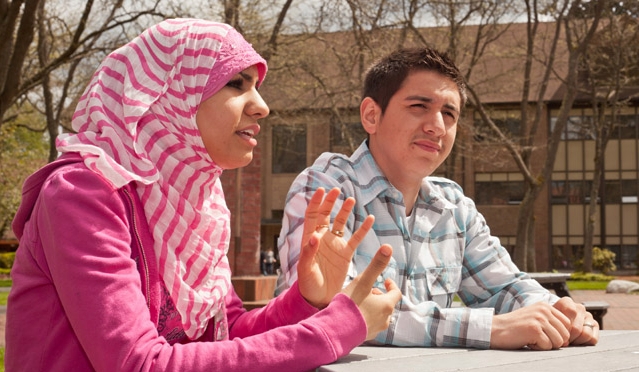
(386, 76)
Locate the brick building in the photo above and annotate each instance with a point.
(314, 99)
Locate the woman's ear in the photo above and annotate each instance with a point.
(370, 114)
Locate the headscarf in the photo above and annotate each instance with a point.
(135, 122)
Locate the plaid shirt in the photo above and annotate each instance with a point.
(444, 248)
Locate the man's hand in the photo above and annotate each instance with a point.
(376, 307)
(539, 326)
(325, 256)
(584, 330)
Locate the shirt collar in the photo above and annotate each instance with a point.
(369, 176)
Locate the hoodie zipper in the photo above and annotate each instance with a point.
(142, 253)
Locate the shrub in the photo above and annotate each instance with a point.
(6, 260)
(590, 277)
(602, 260)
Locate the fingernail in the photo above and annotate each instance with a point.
(385, 250)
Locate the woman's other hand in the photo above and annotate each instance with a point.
(376, 307)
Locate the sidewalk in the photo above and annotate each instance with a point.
(623, 312)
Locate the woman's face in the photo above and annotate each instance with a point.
(228, 120)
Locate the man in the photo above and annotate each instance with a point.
(412, 101)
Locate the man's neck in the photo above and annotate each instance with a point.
(409, 193)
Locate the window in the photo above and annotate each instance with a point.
(496, 193)
(620, 191)
(345, 138)
(580, 127)
(626, 256)
(508, 122)
(289, 148)
(570, 192)
(626, 128)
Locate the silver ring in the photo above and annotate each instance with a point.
(589, 325)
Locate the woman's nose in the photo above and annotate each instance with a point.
(258, 108)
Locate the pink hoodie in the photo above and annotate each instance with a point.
(87, 295)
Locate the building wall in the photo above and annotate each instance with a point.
(558, 229)
(243, 197)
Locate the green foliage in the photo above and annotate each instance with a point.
(6, 260)
(3, 298)
(603, 260)
(590, 277)
(22, 151)
(587, 285)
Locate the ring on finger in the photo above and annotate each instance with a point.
(319, 227)
(338, 233)
(589, 325)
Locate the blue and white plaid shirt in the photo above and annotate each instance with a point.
(443, 248)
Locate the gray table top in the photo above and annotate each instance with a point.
(616, 351)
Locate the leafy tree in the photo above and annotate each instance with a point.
(611, 75)
(21, 151)
(577, 33)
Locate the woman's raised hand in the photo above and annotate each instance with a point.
(325, 256)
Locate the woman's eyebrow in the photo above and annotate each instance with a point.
(249, 78)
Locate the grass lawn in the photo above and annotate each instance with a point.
(587, 284)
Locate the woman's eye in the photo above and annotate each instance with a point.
(235, 83)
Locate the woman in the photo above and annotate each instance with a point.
(122, 261)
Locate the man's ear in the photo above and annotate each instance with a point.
(370, 114)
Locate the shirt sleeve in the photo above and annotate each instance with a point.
(98, 286)
(482, 274)
(490, 284)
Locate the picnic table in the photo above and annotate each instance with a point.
(615, 351)
(557, 283)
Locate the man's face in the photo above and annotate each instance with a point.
(416, 133)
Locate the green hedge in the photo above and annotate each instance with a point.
(6, 260)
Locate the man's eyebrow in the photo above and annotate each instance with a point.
(430, 100)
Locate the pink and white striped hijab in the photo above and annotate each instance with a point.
(136, 123)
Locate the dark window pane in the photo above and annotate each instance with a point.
(612, 192)
(345, 138)
(496, 193)
(558, 192)
(289, 148)
(511, 127)
(578, 128)
(627, 127)
(629, 191)
(570, 192)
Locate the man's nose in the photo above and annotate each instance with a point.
(434, 124)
